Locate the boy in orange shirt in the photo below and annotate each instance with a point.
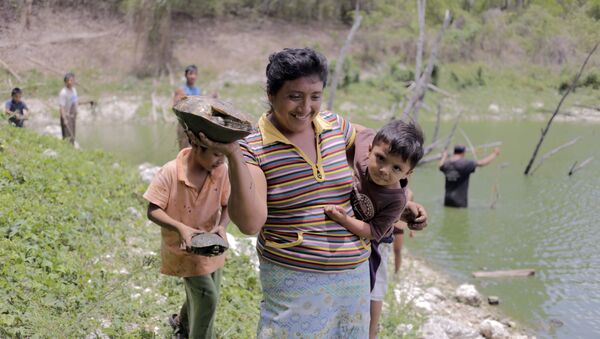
(189, 196)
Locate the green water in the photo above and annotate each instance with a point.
(547, 221)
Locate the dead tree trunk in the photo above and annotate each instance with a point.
(552, 152)
(576, 167)
(340, 61)
(421, 40)
(416, 101)
(545, 130)
(152, 23)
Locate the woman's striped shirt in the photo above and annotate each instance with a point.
(298, 234)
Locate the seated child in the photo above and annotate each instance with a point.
(16, 109)
(189, 196)
(382, 164)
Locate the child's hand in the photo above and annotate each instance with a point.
(415, 216)
(185, 237)
(336, 213)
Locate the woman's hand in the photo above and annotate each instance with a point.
(227, 149)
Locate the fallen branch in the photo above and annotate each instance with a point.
(575, 168)
(39, 63)
(421, 88)
(449, 138)
(545, 130)
(342, 56)
(495, 195)
(10, 70)
(554, 151)
(439, 90)
(503, 274)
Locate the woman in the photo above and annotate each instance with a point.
(314, 273)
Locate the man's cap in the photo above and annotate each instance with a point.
(458, 149)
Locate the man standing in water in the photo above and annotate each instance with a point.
(457, 171)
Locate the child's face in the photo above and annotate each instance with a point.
(208, 158)
(70, 82)
(191, 77)
(16, 97)
(386, 169)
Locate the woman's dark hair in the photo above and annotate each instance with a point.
(294, 63)
(404, 139)
(16, 91)
(69, 76)
(190, 69)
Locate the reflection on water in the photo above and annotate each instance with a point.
(547, 222)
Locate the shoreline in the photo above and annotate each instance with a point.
(447, 309)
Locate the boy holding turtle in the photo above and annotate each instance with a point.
(188, 196)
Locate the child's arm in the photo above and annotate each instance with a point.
(338, 214)
(161, 218)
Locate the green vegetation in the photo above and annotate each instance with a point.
(78, 256)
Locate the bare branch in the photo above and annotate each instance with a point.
(436, 129)
(575, 168)
(10, 70)
(545, 130)
(342, 56)
(469, 143)
(554, 151)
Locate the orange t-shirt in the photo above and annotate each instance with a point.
(198, 208)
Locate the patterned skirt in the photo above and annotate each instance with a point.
(301, 304)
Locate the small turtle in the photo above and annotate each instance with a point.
(208, 244)
(217, 119)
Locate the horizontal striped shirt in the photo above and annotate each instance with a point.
(298, 234)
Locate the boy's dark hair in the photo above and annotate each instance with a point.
(459, 149)
(15, 91)
(294, 63)
(405, 140)
(69, 75)
(190, 69)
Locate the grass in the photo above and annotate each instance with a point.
(79, 257)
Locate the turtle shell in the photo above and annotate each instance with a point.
(362, 205)
(208, 244)
(217, 119)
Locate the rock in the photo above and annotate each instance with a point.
(491, 329)
(50, 153)
(53, 130)
(423, 306)
(403, 330)
(555, 323)
(537, 104)
(433, 294)
(467, 294)
(451, 328)
(432, 330)
(134, 212)
(147, 171)
(494, 108)
(493, 300)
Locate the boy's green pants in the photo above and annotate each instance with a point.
(198, 312)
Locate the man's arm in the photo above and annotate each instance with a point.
(178, 95)
(485, 161)
(443, 159)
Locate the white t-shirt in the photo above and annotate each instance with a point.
(67, 98)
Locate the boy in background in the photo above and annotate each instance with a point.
(189, 196)
(67, 106)
(16, 109)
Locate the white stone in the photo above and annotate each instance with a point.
(467, 294)
(494, 108)
(537, 104)
(403, 329)
(492, 329)
(432, 330)
(433, 294)
(134, 212)
(50, 153)
(148, 171)
(53, 130)
(423, 306)
(454, 329)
